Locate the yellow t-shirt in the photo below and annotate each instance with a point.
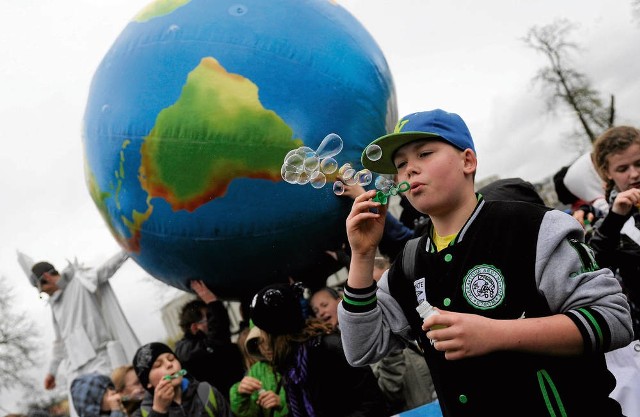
(442, 242)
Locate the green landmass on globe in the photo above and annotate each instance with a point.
(158, 8)
(216, 131)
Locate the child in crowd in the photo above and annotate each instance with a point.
(206, 350)
(524, 312)
(128, 386)
(616, 240)
(94, 395)
(260, 393)
(173, 393)
(324, 305)
(616, 243)
(308, 354)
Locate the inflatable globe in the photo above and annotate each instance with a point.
(190, 115)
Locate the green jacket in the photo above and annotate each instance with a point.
(244, 405)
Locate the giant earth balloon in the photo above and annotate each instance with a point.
(189, 117)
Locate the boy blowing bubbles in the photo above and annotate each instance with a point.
(173, 393)
(525, 312)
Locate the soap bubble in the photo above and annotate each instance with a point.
(317, 179)
(363, 177)
(303, 179)
(330, 146)
(295, 160)
(348, 174)
(383, 183)
(305, 151)
(311, 164)
(338, 188)
(291, 177)
(328, 165)
(353, 180)
(344, 168)
(373, 152)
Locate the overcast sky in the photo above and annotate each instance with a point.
(462, 56)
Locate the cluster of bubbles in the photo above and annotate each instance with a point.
(304, 165)
(307, 166)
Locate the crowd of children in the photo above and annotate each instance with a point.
(526, 308)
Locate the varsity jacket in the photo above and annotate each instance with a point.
(510, 260)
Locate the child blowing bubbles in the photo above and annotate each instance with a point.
(527, 312)
(173, 393)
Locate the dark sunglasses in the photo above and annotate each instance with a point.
(42, 279)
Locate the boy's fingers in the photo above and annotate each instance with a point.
(364, 206)
(365, 196)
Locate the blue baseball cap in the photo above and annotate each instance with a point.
(437, 124)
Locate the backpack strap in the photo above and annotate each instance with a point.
(208, 397)
(409, 257)
(409, 269)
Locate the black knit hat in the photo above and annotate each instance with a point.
(144, 358)
(276, 309)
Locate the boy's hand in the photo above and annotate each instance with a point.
(163, 396)
(113, 399)
(352, 191)
(364, 227)
(464, 335)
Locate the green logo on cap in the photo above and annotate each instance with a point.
(399, 126)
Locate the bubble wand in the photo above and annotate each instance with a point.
(181, 372)
(382, 197)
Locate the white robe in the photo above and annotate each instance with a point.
(92, 332)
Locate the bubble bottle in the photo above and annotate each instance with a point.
(425, 310)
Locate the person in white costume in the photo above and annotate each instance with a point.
(92, 333)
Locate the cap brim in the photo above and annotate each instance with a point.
(389, 144)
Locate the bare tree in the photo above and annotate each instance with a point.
(18, 343)
(566, 85)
